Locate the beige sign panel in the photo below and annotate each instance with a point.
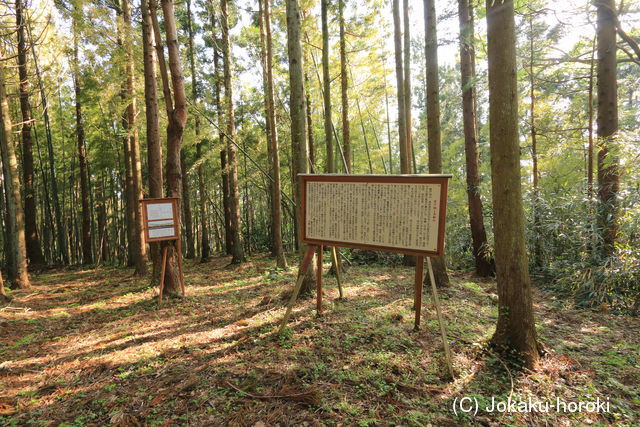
(402, 213)
(160, 217)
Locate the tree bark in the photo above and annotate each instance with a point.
(272, 134)
(515, 329)
(537, 244)
(186, 208)
(590, 124)
(17, 254)
(154, 148)
(87, 249)
(607, 121)
(298, 137)
(310, 140)
(223, 151)
(237, 251)
(433, 116)
(34, 251)
(129, 196)
(481, 251)
(344, 86)
(176, 107)
(140, 252)
(407, 90)
(405, 164)
(326, 84)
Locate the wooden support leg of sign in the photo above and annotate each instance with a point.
(336, 268)
(319, 283)
(443, 332)
(294, 296)
(179, 248)
(417, 291)
(163, 269)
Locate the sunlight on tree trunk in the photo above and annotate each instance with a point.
(297, 107)
(515, 329)
(433, 117)
(17, 258)
(607, 120)
(481, 251)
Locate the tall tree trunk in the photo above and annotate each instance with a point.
(405, 164)
(515, 329)
(17, 255)
(103, 232)
(326, 84)
(607, 120)
(263, 63)
(386, 108)
(175, 129)
(129, 196)
(223, 151)
(204, 239)
(590, 124)
(87, 249)
(272, 133)
(407, 87)
(537, 245)
(140, 252)
(433, 116)
(344, 86)
(481, 250)
(186, 208)
(176, 107)
(237, 252)
(225, 200)
(310, 142)
(34, 251)
(154, 148)
(297, 111)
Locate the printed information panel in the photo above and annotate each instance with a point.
(398, 213)
(160, 219)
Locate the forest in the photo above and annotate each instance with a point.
(530, 304)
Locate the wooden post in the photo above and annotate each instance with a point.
(336, 268)
(162, 271)
(319, 282)
(303, 270)
(417, 289)
(443, 332)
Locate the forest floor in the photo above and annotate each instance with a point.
(90, 347)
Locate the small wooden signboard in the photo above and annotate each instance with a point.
(395, 213)
(161, 221)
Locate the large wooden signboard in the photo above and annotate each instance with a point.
(160, 219)
(396, 213)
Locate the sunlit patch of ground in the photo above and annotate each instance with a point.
(91, 347)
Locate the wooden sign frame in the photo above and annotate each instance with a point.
(442, 180)
(315, 246)
(176, 236)
(175, 218)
